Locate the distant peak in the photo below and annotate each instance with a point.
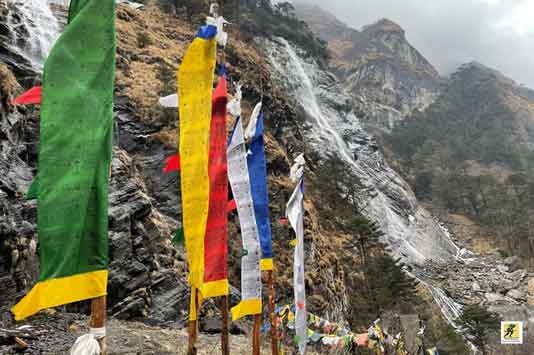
(384, 25)
(475, 66)
(477, 71)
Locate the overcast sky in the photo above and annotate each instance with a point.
(497, 33)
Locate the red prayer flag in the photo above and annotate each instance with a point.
(216, 238)
(30, 97)
(232, 205)
(172, 163)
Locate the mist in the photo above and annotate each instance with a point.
(496, 33)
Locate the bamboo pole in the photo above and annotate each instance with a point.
(98, 320)
(193, 328)
(272, 318)
(225, 344)
(256, 335)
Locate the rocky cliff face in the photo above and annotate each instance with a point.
(386, 77)
(432, 253)
(308, 110)
(383, 73)
(147, 273)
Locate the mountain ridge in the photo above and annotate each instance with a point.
(386, 76)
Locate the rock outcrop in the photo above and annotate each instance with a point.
(386, 76)
(147, 274)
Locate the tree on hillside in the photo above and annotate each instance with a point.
(286, 8)
(479, 323)
(387, 287)
(344, 184)
(366, 236)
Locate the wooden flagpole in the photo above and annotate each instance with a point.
(256, 335)
(98, 320)
(193, 328)
(225, 344)
(274, 335)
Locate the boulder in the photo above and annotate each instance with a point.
(497, 298)
(518, 275)
(502, 268)
(513, 263)
(516, 295)
(476, 287)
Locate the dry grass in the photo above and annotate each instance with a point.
(9, 86)
(471, 233)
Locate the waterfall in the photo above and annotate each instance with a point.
(411, 231)
(33, 29)
(331, 128)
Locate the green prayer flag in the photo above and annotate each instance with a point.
(33, 190)
(74, 160)
(178, 237)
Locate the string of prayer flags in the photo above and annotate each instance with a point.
(232, 205)
(295, 214)
(74, 161)
(377, 337)
(170, 101)
(250, 263)
(30, 97)
(216, 239)
(319, 330)
(172, 163)
(398, 344)
(195, 85)
(258, 179)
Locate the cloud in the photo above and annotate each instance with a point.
(497, 33)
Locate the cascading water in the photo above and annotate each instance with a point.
(411, 231)
(33, 29)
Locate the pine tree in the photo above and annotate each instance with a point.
(366, 236)
(479, 323)
(389, 285)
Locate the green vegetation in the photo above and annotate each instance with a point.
(143, 40)
(467, 153)
(257, 18)
(479, 323)
(376, 281)
(167, 75)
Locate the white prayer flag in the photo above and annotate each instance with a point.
(295, 215)
(170, 101)
(250, 262)
(251, 128)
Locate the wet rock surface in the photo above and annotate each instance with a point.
(141, 257)
(147, 273)
(453, 275)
